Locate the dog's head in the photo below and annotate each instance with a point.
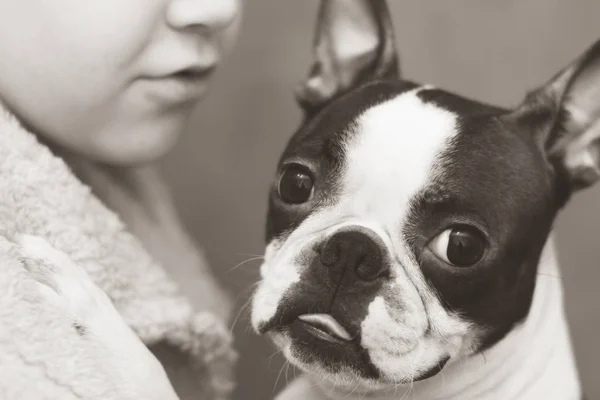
(406, 223)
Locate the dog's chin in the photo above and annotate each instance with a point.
(346, 363)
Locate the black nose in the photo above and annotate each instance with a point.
(356, 251)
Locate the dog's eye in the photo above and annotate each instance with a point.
(295, 184)
(461, 246)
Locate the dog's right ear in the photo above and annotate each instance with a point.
(564, 117)
(354, 44)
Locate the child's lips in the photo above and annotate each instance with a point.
(184, 86)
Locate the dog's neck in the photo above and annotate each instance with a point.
(535, 361)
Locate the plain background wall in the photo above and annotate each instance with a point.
(490, 50)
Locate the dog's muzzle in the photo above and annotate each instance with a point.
(322, 313)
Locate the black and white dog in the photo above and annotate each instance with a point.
(409, 238)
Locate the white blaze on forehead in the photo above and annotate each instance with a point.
(390, 158)
(391, 154)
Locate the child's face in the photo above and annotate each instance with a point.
(96, 76)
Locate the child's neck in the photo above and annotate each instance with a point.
(535, 361)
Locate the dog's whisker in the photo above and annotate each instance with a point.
(245, 307)
(279, 376)
(239, 314)
(287, 369)
(353, 390)
(415, 361)
(279, 351)
(245, 262)
(406, 392)
(483, 355)
(248, 291)
(396, 386)
(443, 379)
(250, 255)
(271, 359)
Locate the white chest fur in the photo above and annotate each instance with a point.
(534, 362)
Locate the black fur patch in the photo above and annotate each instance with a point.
(317, 293)
(493, 178)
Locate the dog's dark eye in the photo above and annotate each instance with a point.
(461, 246)
(295, 184)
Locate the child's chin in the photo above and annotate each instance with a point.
(136, 149)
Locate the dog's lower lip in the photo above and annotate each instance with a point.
(313, 334)
(318, 346)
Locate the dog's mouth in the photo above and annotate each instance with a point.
(325, 340)
(321, 339)
(320, 327)
(316, 327)
(329, 339)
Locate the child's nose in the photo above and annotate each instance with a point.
(211, 15)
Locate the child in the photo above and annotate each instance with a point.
(109, 85)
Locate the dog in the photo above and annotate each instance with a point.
(409, 229)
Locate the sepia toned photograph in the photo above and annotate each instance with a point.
(299, 200)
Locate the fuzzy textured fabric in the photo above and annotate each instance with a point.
(41, 356)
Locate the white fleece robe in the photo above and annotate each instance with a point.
(41, 356)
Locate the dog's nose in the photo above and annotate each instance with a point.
(357, 251)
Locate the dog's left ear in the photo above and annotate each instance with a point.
(354, 44)
(564, 115)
